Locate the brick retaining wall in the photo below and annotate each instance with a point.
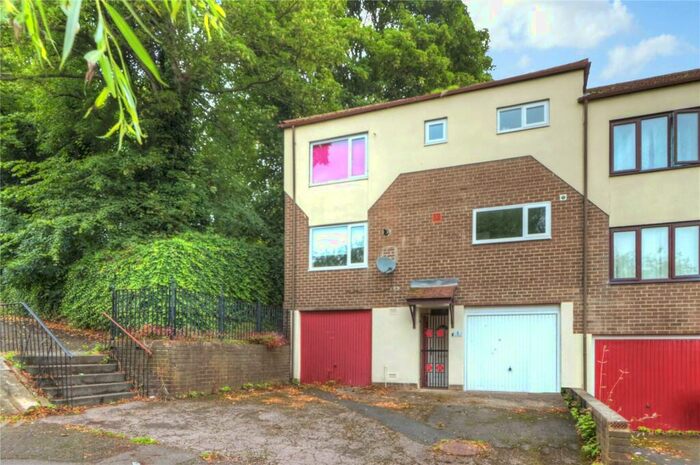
(612, 429)
(180, 367)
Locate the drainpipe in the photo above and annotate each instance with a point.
(584, 267)
(294, 252)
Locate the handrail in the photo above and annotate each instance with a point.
(46, 329)
(136, 341)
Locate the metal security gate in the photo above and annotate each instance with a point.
(434, 349)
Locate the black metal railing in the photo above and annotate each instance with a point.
(132, 356)
(170, 311)
(35, 346)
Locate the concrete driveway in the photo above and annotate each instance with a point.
(312, 426)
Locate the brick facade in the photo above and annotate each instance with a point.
(516, 273)
(179, 367)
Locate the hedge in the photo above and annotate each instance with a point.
(198, 262)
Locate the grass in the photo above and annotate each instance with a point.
(143, 440)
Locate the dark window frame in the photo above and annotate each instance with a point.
(638, 254)
(671, 137)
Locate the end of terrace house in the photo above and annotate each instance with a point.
(525, 235)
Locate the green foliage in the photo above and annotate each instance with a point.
(225, 389)
(143, 440)
(256, 386)
(73, 203)
(586, 427)
(202, 262)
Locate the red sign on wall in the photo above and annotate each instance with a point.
(437, 217)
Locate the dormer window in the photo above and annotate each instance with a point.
(337, 160)
(524, 116)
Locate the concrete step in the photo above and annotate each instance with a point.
(78, 359)
(97, 399)
(90, 368)
(83, 390)
(96, 378)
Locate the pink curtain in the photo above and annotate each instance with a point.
(330, 162)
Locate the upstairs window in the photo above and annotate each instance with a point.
(512, 223)
(436, 131)
(525, 116)
(655, 253)
(336, 247)
(336, 160)
(655, 142)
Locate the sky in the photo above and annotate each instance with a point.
(624, 40)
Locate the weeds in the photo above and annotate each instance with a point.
(225, 389)
(586, 427)
(143, 440)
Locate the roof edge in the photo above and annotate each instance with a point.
(581, 65)
(640, 85)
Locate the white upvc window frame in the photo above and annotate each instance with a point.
(525, 236)
(350, 139)
(523, 113)
(350, 265)
(426, 131)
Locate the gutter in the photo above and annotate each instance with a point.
(294, 253)
(584, 258)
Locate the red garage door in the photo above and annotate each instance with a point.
(652, 382)
(336, 346)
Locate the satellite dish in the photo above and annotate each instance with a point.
(386, 265)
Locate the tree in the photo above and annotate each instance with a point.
(212, 159)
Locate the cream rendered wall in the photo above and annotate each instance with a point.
(456, 345)
(571, 348)
(296, 345)
(395, 346)
(645, 198)
(396, 145)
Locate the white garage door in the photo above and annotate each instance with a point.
(514, 349)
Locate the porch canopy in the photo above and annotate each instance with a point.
(432, 293)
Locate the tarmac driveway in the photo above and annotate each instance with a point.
(311, 426)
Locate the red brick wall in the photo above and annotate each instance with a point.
(179, 367)
(518, 273)
(656, 308)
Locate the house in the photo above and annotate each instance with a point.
(441, 241)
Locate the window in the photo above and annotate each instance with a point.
(655, 142)
(335, 247)
(656, 253)
(511, 223)
(530, 115)
(436, 131)
(337, 160)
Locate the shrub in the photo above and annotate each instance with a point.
(269, 340)
(198, 262)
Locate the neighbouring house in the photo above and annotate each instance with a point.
(525, 234)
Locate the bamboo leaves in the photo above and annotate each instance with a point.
(72, 26)
(112, 35)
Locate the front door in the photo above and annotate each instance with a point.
(434, 349)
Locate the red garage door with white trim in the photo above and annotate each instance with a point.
(336, 346)
(651, 382)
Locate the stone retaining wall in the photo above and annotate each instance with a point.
(179, 367)
(612, 429)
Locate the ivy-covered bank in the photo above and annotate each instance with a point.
(198, 262)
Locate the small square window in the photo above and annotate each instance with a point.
(436, 131)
